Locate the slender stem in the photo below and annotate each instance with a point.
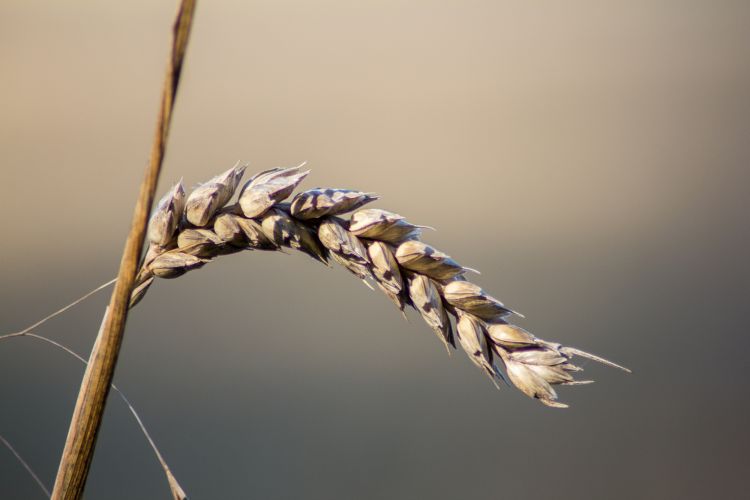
(25, 465)
(87, 415)
(177, 492)
(63, 309)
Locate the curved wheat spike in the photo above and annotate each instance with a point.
(374, 245)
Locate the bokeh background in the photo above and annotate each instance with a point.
(591, 158)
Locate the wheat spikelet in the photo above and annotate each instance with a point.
(374, 245)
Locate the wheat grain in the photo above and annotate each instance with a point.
(267, 188)
(318, 202)
(374, 245)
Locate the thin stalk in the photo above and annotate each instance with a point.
(25, 465)
(177, 492)
(63, 309)
(89, 409)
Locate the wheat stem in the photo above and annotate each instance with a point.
(87, 415)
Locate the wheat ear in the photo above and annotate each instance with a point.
(378, 246)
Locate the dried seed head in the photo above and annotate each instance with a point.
(208, 198)
(510, 336)
(268, 188)
(173, 264)
(472, 299)
(346, 248)
(285, 231)
(426, 299)
(377, 224)
(471, 337)
(319, 202)
(408, 271)
(386, 272)
(166, 218)
(424, 259)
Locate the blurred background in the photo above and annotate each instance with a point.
(590, 158)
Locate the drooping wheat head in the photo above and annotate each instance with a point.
(375, 245)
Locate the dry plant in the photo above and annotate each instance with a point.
(86, 420)
(380, 247)
(377, 246)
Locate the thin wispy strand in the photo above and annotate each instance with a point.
(177, 491)
(25, 465)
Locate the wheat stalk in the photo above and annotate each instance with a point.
(187, 232)
(87, 415)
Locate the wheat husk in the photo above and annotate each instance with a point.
(267, 188)
(321, 202)
(209, 197)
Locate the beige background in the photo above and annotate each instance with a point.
(591, 158)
